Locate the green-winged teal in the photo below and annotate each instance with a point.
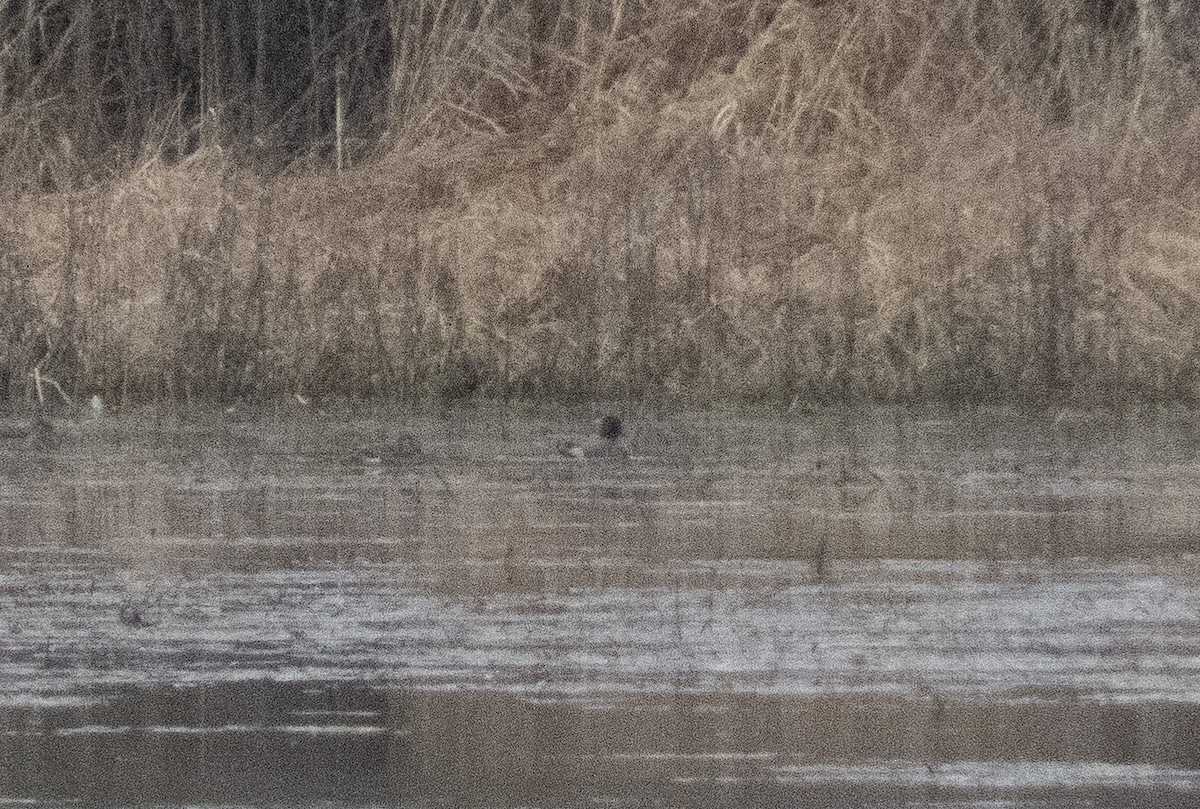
(39, 433)
(609, 444)
(132, 615)
(404, 448)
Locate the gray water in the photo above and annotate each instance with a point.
(985, 608)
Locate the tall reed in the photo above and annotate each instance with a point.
(763, 201)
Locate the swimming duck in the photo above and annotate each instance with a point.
(609, 445)
(404, 448)
(132, 615)
(42, 433)
(39, 434)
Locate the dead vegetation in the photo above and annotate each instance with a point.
(759, 201)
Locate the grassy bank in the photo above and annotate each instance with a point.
(990, 200)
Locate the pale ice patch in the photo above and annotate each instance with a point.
(997, 775)
(1121, 632)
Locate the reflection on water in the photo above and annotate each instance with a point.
(883, 608)
(367, 745)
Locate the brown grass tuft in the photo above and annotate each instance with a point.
(782, 201)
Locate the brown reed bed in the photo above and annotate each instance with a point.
(781, 202)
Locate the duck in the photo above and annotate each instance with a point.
(404, 448)
(133, 615)
(609, 445)
(39, 434)
(42, 433)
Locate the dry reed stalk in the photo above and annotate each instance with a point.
(687, 207)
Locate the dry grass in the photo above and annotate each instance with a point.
(782, 201)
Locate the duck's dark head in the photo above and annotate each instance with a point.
(610, 428)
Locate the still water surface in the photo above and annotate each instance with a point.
(988, 608)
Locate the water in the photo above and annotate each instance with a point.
(988, 608)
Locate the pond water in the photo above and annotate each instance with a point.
(881, 607)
